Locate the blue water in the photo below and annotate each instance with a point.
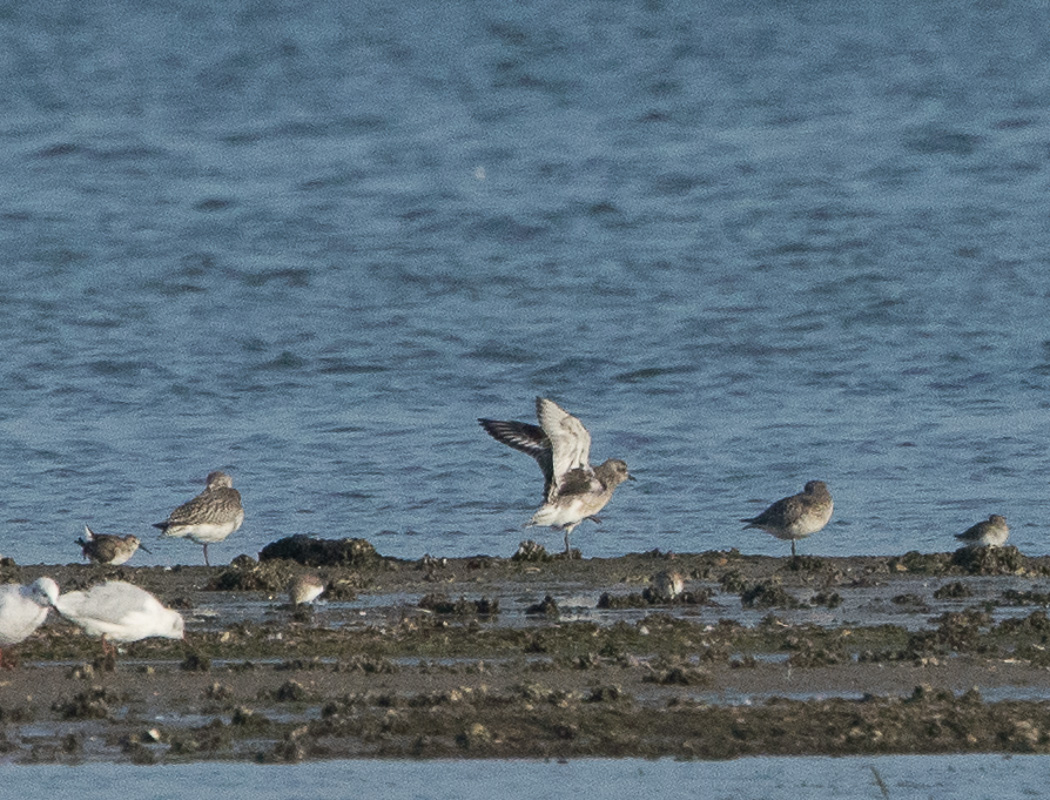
(969, 777)
(309, 243)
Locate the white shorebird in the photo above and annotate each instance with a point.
(209, 517)
(798, 516)
(990, 533)
(23, 609)
(104, 548)
(573, 490)
(305, 589)
(118, 611)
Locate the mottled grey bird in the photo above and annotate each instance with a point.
(990, 533)
(573, 490)
(209, 517)
(666, 585)
(103, 548)
(798, 516)
(305, 588)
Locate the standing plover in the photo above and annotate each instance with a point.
(798, 516)
(573, 490)
(209, 517)
(990, 533)
(103, 548)
(23, 609)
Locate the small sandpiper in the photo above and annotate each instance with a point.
(22, 610)
(990, 533)
(103, 548)
(666, 586)
(798, 516)
(209, 517)
(573, 490)
(305, 589)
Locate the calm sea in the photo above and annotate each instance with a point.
(311, 242)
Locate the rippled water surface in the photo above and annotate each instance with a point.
(970, 777)
(311, 242)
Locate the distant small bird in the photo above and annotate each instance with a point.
(666, 586)
(798, 516)
(990, 533)
(117, 611)
(305, 589)
(23, 609)
(209, 517)
(573, 490)
(102, 548)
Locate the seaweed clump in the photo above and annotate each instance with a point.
(312, 552)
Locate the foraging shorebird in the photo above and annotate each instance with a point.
(209, 517)
(798, 516)
(990, 533)
(117, 611)
(102, 548)
(23, 609)
(666, 586)
(573, 490)
(305, 589)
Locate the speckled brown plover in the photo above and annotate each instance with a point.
(209, 517)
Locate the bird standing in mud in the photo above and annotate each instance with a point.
(798, 516)
(103, 548)
(209, 517)
(993, 532)
(573, 490)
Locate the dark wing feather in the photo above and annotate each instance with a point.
(529, 439)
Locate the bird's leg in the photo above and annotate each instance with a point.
(206, 556)
(793, 550)
(568, 552)
(109, 656)
(593, 518)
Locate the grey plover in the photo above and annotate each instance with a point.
(23, 609)
(798, 516)
(990, 533)
(666, 585)
(305, 589)
(104, 548)
(573, 490)
(209, 517)
(117, 611)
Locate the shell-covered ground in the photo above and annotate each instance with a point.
(533, 656)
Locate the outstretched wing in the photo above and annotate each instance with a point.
(570, 441)
(526, 438)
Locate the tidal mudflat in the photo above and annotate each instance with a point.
(541, 657)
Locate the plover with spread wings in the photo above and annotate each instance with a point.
(573, 490)
(798, 516)
(209, 517)
(990, 533)
(104, 548)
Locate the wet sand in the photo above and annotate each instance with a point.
(498, 657)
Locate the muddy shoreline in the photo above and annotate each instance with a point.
(535, 657)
